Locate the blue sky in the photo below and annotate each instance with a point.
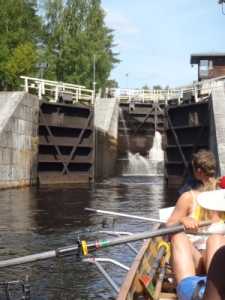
(155, 39)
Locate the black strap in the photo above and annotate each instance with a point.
(195, 295)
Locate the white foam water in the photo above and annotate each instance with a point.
(151, 165)
(156, 153)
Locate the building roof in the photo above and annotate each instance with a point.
(196, 56)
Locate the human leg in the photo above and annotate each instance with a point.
(214, 242)
(185, 260)
(215, 285)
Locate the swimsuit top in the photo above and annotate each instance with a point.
(196, 210)
(199, 238)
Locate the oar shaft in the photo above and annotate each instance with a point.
(123, 215)
(74, 249)
(27, 259)
(104, 243)
(157, 261)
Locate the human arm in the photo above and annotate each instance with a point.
(182, 209)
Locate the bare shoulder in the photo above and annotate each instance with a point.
(186, 199)
(182, 208)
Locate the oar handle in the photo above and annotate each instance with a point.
(204, 223)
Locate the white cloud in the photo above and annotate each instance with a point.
(119, 21)
(130, 45)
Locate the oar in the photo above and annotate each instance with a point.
(146, 281)
(124, 215)
(159, 283)
(92, 246)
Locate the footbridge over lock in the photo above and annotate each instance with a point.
(72, 136)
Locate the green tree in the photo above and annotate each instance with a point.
(145, 87)
(21, 62)
(75, 33)
(19, 24)
(167, 87)
(112, 83)
(157, 87)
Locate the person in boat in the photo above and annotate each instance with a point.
(191, 254)
(215, 284)
(204, 166)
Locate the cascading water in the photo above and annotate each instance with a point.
(156, 155)
(156, 152)
(138, 165)
(124, 126)
(153, 164)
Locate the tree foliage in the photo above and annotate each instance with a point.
(69, 34)
(21, 62)
(112, 83)
(157, 87)
(77, 41)
(19, 25)
(145, 87)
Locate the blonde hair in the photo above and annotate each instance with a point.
(206, 214)
(205, 161)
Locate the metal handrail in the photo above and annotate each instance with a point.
(198, 90)
(54, 88)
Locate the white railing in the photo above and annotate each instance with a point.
(198, 91)
(136, 95)
(54, 90)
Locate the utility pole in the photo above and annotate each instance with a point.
(127, 80)
(94, 83)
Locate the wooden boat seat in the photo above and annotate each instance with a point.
(167, 296)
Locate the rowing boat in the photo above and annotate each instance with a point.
(150, 276)
(161, 284)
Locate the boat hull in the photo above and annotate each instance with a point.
(133, 287)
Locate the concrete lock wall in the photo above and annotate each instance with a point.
(19, 113)
(106, 137)
(217, 128)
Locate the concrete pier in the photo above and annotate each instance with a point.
(106, 137)
(217, 128)
(19, 139)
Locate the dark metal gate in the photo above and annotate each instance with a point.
(66, 143)
(186, 131)
(141, 121)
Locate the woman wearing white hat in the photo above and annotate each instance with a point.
(191, 254)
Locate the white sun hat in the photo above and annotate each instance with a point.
(214, 200)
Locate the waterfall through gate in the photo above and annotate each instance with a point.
(151, 164)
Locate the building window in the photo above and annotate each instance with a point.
(204, 69)
(210, 64)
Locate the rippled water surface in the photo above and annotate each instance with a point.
(35, 220)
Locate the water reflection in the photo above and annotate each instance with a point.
(42, 219)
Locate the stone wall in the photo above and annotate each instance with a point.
(217, 128)
(106, 137)
(19, 113)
